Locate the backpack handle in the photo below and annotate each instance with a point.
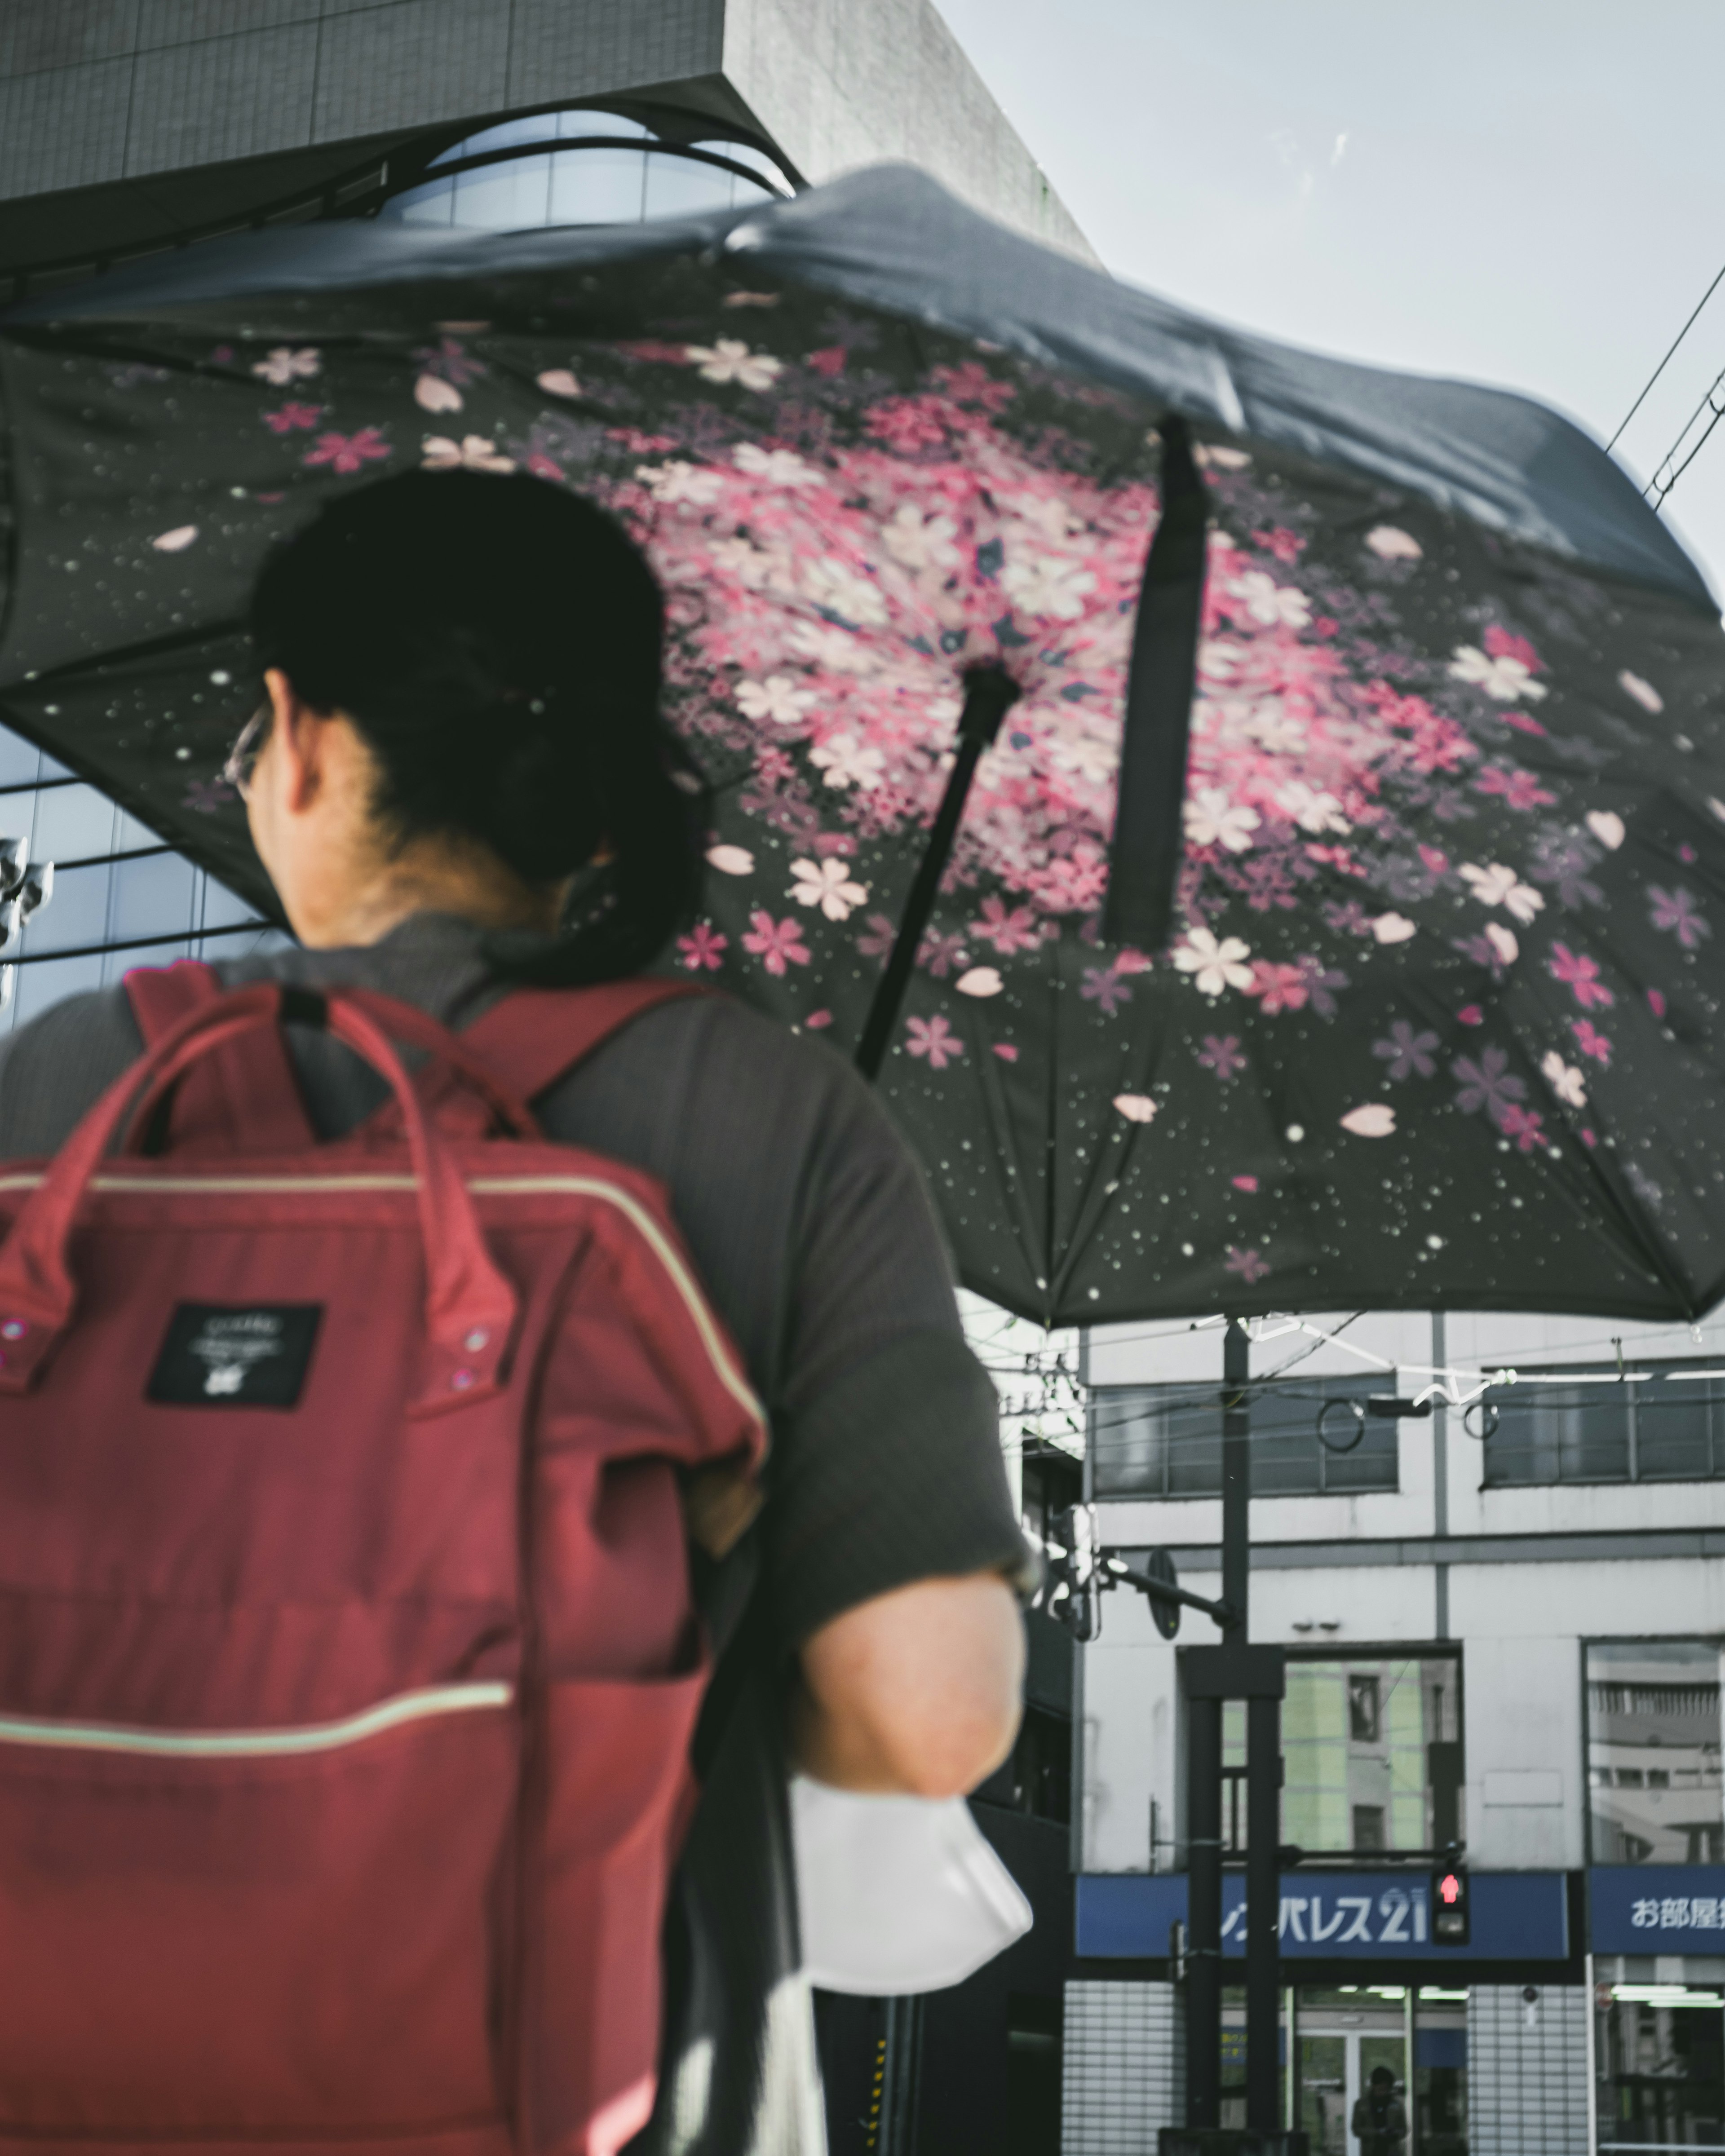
(470, 1307)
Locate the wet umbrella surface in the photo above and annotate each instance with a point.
(1439, 1019)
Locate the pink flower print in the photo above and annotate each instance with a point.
(1347, 917)
(208, 795)
(1676, 910)
(1499, 643)
(906, 424)
(290, 418)
(1281, 988)
(879, 935)
(1008, 929)
(1486, 1083)
(1220, 1053)
(1656, 1002)
(1245, 1265)
(1322, 983)
(776, 944)
(1470, 1014)
(829, 361)
(1589, 1040)
(1519, 789)
(1580, 973)
(1286, 546)
(934, 1039)
(1247, 1182)
(940, 953)
(1406, 1051)
(702, 947)
(1526, 1126)
(449, 362)
(1103, 986)
(1006, 1051)
(817, 1020)
(1522, 724)
(348, 453)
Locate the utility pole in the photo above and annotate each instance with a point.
(1209, 1676)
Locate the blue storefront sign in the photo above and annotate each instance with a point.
(1347, 1916)
(1656, 1908)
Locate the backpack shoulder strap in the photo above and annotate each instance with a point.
(535, 1036)
(243, 1097)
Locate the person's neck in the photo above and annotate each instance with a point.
(365, 908)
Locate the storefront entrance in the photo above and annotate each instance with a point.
(1340, 2037)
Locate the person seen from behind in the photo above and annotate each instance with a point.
(460, 780)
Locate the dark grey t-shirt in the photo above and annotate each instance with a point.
(807, 1220)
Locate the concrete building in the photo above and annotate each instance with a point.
(1504, 1626)
(129, 126)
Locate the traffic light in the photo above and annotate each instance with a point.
(1449, 1906)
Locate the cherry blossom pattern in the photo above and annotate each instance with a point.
(778, 944)
(1580, 975)
(1247, 1266)
(828, 885)
(284, 366)
(345, 453)
(1678, 912)
(1487, 1083)
(292, 419)
(1214, 963)
(1590, 1040)
(1407, 1051)
(1221, 1054)
(703, 948)
(934, 1039)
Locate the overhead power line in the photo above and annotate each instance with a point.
(1665, 361)
(1668, 472)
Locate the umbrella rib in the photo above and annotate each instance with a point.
(989, 693)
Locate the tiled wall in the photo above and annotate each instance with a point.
(1527, 2071)
(115, 885)
(1124, 2076)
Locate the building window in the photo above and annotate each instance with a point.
(1166, 1440)
(1371, 1756)
(1657, 1422)
(586, 165)
(1653, 1736)
(119, 897)
(1661, 2049)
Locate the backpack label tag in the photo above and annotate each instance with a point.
(226, 1355)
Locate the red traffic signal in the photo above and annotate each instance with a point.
(1450, 1925)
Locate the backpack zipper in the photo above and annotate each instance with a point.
(407, 1706)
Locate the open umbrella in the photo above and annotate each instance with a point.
(1435, 1021)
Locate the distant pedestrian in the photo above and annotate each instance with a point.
(1380, 2123)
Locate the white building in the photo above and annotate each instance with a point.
(1503, 1624)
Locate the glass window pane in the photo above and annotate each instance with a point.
(741, 153)
(20, 762)
(587, 120)
(1653, 1736)
(598, 186)
(432, 204)
(77, 915)
(223, 907)
(510, 197)
(1675, 1429)
(1560, 1434)
(130, 833)
(38, 987)
(153, 896)
(682, 187)
(73, 823)
(536, 127)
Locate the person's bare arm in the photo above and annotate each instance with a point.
(917, 1692)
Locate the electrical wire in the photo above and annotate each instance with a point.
(1666, 360)
(1719, 411)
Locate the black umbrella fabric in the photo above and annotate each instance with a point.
(1438, 1021)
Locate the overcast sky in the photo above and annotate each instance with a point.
(1515, 191)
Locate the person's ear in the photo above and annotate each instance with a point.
(296, 742)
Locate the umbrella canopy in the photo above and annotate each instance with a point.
(1439, 1019)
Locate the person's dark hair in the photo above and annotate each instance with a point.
(1383, 2077)
(497, 641)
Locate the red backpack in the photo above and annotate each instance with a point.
(348, 1662)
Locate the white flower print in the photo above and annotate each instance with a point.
(1607, 826)
(1275, 729)
(1047, 586)
(1085, 755)
(1270, 603)
(833, 650)
(1565, 1081)
(1393, 928)
(680, 481)
(1048, 516)
(1310, 809)
(777, 698)
(732, 861)
(1217, 456)
(853, 596)
(472, 453)
(1376, 1119)
(980, 981)
(743, 562)
(848, 762)
(1214, 966)
(731, 360)
(1503, 942)
(1506, 680)
(827, 885)
(1213, 820)
(1217, 660)
(1390, 545)
(919, 541)
(1498, 886)
(284, 366)
(175, 542)
(431, 394)
(774, 467)
(1644, 692)
(1136, 1107)
(558, 382)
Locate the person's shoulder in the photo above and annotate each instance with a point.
(55, 1068)
(728, 1036)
